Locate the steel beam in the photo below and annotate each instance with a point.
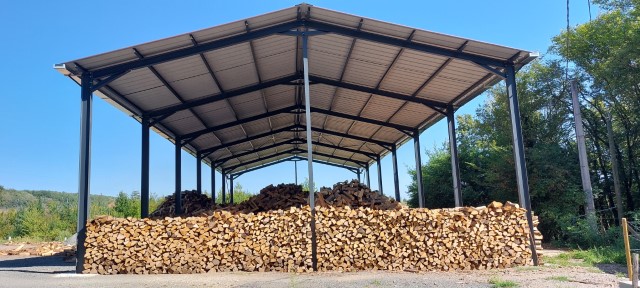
(431, 49)
(196, 49)
(435, 105)
(396, 181)
(144, 173)
(401, 128)
(86, 112)
(455, 166)
(379, 165)
(416, 148)
(178, 191)
(250, 138)
(385, 145)
(199, 172)
(518, 153)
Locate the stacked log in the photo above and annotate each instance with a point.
(193, 204)
(270, 241)
(495, 236)
(348, 239)
(354, 194)
(283, 196)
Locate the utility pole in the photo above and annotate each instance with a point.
(589, 208)
(614, 166)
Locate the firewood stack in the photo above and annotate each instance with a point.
(193, 204)
(272, 197)
(348, 239)
(495, 236)
(354, 194)
(269, 241)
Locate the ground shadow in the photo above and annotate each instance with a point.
(612, 268)
(41, 261)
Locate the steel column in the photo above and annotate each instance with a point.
(359, 173)
(379, 165)
(224, 187)
(144, 173)
(178, 191)
(295, 168)
(307, 112)
(455, 165)
(86, 112)
(396, 181)
(199, 173)
(213, 183)
(416, 148)
(231, 189)
(368, 176)
(518, 153)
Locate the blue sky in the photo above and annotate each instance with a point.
(40, 109)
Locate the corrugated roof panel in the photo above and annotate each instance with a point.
(389, 134)
(164, 45)
(333, 17)
(338, 124)
(136, 81)
(189, 77)
(327, 55)
(256, 127)
(326, 138)
(276, 56)
(349, 101)
(443, 89)
(381, 108)
(490, 50)
(280, 96)
(282, 120)
(387, 29)
(410, 71)
(321, 96)
(412, 114)
(215, 113)
(231, 134)
(106, 59)
(153, 98)
(233, 66)
(363, 129)
(206, 142)
(219, 32)
(248, 105)
(437, 39)
(368, 62)
(186, 124)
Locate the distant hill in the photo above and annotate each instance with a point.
(16, 199)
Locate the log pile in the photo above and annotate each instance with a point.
(270, 241)
(354, 194)
(39, 249)
(348, 239)
(495, 236)
(193, 204)
(283, 196)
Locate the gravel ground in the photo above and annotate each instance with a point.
(51, 271)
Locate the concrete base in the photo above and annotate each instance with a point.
(624, 284)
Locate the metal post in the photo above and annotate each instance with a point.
(213, 183)
(368, 176)
(416, 148)
(455, 165)
(178, 192)
(86, 109)
(224, 187)
(295, 168)
(518, 152)
(396, 181)
(379, 165)
(359, 173)
(144, 175)
(231, 189)
(307, 106)
(199, 173)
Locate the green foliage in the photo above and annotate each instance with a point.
(497, 282)
(239, 194)
(589, 257)
(49, 215)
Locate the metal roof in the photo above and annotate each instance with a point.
(233, 92)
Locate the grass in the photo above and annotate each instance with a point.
(589, 257)
(559, 278)
(497, 282)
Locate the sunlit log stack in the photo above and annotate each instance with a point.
(349, 239)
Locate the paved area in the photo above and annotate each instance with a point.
(51, 271)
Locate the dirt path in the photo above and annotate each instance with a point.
(16, 271)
